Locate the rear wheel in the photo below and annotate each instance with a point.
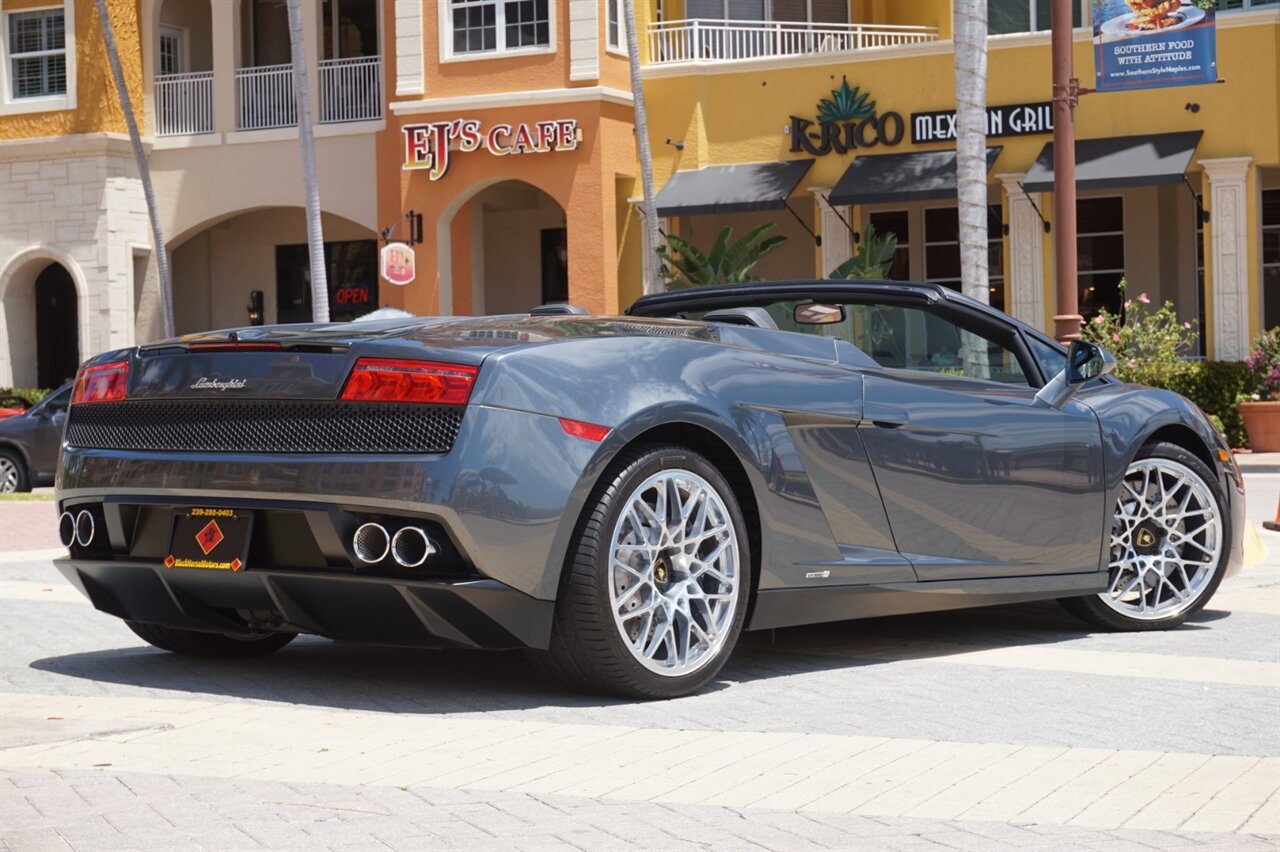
(657, 582)
(13, 473)
(196, 643)
(1170, 540)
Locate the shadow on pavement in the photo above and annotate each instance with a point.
(319, 672)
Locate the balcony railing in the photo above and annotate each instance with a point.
(705, 40)
(265, 97)
(350, 89)
(184, 103)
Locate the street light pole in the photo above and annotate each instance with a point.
(1066, 93)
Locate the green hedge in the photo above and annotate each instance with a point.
(1212, 385)
(30, 396)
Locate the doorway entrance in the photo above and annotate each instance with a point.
(519, 249)
(57, 327)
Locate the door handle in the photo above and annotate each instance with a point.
(886, 416)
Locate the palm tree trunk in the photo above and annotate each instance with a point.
(307, 141)
(144, 172)
(652, 236)
(970, 27)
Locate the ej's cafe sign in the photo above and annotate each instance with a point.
(428, 146)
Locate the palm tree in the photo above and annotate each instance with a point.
(653, 239)
(307, 141)
(970, 25)
(144, 171)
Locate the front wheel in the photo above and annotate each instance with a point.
(13, 473)
(657, 582)
(1170, 541)
(196, 643)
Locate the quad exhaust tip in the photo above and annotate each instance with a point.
(66, 529)
(411, 547)
(85, 528)
(371, 543)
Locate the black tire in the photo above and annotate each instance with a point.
(196, 643)
(1094, 610)
(14, 476)
(587, 651)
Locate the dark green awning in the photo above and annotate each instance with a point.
(731, 189)
(919, 176)
(1118, 161)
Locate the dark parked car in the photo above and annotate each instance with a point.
(624, 495)
(29, 443)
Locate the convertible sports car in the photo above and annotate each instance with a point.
(625, 495)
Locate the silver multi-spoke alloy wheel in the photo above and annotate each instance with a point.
(9, 475)
(674, 573)
(1166, 541)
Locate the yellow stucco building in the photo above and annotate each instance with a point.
(736, 83)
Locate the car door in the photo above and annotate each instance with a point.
(978, 479)
(44, 432)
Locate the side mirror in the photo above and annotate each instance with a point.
(1085, 362)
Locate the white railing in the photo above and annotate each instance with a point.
(184, 103)
(265, 97)
(705, 40)
(350, 89)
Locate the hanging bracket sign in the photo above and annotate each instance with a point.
(398, 264)
(429, 146)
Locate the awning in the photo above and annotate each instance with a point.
(922, 176)
(1116, 161)
(731, 189)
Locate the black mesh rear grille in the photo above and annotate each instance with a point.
(264, 426)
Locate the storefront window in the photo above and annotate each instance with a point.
(1100, 254)
(896, 222)
(352, 269)
(1022, 16)
(350, 29)
(942, 251)
(1271, 258)
(613, 25)
(496, 26)
(37, 54)
(811, 11)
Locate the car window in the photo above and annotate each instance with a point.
(1050, 358)
(58, 400)
(908, 338)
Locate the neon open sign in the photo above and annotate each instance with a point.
(428, 146)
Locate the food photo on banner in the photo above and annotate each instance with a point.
(1140, 44)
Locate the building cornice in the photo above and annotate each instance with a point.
(77, 145)
(501, 100)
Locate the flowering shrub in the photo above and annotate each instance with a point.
(1264, 367)
(1147, 343)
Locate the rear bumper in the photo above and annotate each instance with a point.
(421, 613)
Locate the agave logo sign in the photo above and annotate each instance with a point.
(846, 120)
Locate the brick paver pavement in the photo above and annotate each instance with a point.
(989, 729)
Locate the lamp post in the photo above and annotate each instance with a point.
(1066, 94)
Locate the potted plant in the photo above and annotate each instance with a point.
(1260, 408)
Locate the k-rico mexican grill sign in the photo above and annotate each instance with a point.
(845, 121)
(848, 121)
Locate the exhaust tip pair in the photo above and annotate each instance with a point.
(409, 547)
(78, 529)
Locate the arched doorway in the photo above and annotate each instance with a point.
(57, 327)
(519, 248)
(253, 266)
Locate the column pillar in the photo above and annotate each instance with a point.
(1227, 256)
(837, 245)
(225, 25)
(1024, 275)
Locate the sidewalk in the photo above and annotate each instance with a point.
(28, 525)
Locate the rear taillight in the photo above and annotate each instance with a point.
(101, 382)
(394, 380)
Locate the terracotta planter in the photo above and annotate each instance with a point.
(1262, 422)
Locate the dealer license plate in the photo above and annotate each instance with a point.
(211, 539)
